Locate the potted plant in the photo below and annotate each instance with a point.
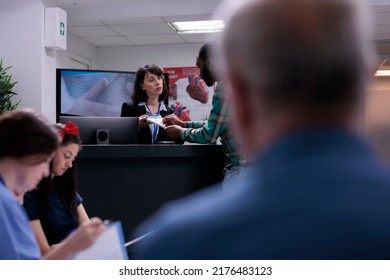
(6, 93)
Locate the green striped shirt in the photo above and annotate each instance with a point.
(216, 126)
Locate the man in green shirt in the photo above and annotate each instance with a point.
(217, 124)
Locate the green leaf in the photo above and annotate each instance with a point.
(6, 93)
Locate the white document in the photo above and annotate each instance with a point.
(157, 121)
(108, 246)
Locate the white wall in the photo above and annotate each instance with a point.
(128, 58)
(22, 46)
(131, 58)
(78, 47)
(48, 84)
(21, 40)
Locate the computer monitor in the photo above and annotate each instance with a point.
(105, 130)
(94, 92)
(104, 91)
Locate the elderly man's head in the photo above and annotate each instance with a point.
(295, 63)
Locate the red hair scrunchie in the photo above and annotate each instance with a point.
(70, 129)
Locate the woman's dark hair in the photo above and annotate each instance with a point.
(67, 184)
(139, 94)
(25, 132)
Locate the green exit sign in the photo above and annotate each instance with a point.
(62, 28)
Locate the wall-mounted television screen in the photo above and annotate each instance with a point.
(94, 92)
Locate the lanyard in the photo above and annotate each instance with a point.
(154, 128)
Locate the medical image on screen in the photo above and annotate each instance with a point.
(94, 93)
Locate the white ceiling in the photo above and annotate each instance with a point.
(134, 22)
(145, 22)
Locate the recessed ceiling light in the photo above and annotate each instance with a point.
(204, 26)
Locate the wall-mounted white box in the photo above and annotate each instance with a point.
(55, 28)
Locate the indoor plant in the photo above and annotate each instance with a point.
(6, 93)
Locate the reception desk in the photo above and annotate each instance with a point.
(130, 182)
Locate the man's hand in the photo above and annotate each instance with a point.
(174, 131)
(172, 120)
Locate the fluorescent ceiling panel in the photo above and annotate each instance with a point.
(205, 26)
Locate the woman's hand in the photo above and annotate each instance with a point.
(142, 121)
(87, 233)
(82, 238)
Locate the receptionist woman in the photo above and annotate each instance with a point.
(147, 102)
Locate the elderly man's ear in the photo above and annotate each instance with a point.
(240, 98)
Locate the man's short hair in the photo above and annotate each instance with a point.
(205, 51)
(299, 52)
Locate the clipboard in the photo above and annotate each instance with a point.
(108, 246)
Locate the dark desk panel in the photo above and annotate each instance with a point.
(130, 182)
